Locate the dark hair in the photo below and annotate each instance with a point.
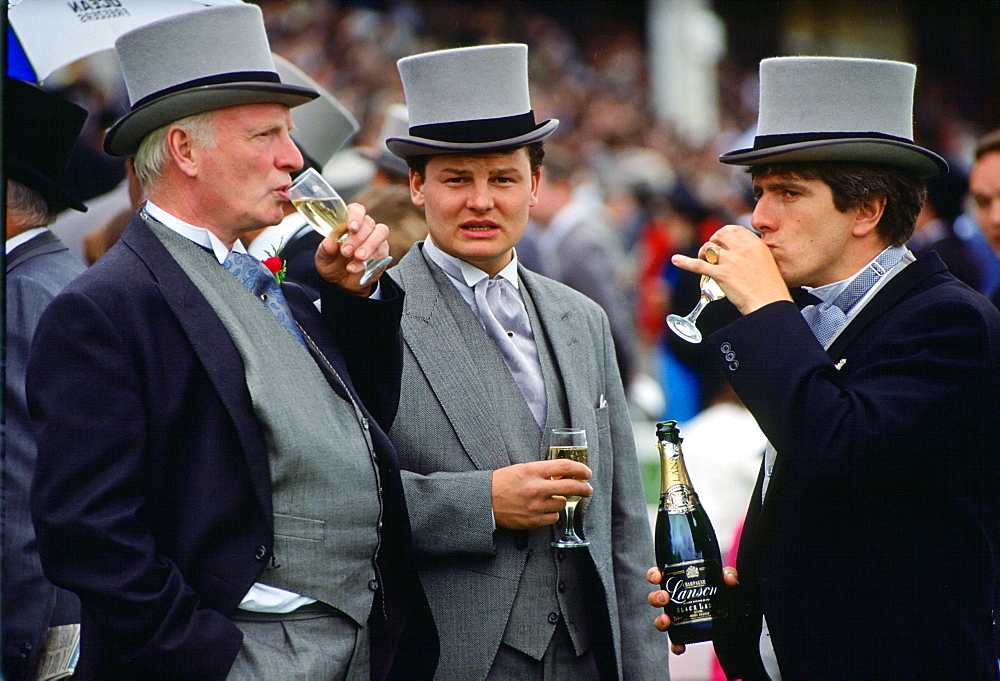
(854, 183)
(536, 155)
(987, 143)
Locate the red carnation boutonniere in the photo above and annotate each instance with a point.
(277, 266)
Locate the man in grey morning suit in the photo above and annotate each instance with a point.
(476, 404)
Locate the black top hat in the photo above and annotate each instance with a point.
(39, 131)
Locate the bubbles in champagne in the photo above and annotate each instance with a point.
(326, 215)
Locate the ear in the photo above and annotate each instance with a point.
(868, 215)
(536, 177)
(416, 188)
(181, 148)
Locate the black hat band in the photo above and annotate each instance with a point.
(762, 142)
(220, 79)
(479, 131)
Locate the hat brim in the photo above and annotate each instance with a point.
(44, 185)
(408, 146)
(385, 160)
(124, 137)
(924, 163)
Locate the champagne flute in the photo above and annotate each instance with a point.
(685, 327)
(569, 443)
(326, 212)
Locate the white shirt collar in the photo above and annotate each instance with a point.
(23, 237)
(199, 235)
(470, 274)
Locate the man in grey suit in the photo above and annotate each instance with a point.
(494, 357)
(39, 132)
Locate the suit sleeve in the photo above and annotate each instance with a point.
(368, 337)
(644, 652)
(88, 403)
(927, 367)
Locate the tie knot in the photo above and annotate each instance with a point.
(255, 277)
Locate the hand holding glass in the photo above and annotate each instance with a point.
(326, 212)
(569, 443)
(685, 326)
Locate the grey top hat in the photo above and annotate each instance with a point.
(323, 125)
(837, 109)
(396, 123)
(468, 99)
(192, 63)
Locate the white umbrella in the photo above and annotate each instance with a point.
(54, 33)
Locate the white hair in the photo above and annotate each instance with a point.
(153, 154)
(33, 209)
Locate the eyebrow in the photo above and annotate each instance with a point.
(777, 184)
(467, 171)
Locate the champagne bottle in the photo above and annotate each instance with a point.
(687, 551)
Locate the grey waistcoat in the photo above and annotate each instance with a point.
(324, 479)
(554, 582)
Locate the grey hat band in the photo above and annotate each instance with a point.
(220, 79)
(763, 142)
(478, 131)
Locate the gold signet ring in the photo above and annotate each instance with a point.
(712, 254)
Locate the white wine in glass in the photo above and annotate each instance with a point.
(326, 212)
(685, 326)
(569, 443)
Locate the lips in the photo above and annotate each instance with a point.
(480, 227)
(282, 192)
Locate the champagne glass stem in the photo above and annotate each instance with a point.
(569, 534)
(702, 302)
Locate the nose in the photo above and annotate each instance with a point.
(480, 197)
(760, 218)
(289, 158)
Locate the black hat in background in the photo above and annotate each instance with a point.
(39, 131)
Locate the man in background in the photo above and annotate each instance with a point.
(39, 130)
(984, 190)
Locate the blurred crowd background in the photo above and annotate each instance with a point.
(648, 94)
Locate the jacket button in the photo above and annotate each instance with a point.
(373, 584)
(562, 586)
(261, 552)
(553, 617)
(521, 540)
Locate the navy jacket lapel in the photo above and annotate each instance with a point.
(211, 343)
(913, 275)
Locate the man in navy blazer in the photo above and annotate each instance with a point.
(871, 541)
(214, 480)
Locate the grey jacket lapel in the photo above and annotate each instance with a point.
(453, 376)
(211, 343)
(566, 328)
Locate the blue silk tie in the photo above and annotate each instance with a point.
(262, 284)
(825, 319)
